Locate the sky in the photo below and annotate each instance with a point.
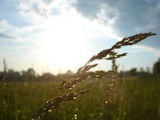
(60, 35)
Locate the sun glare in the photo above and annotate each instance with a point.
(62, 44)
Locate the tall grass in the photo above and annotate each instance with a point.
(85, 71)
(139, 101)
(102, 98)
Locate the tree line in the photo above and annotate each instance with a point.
(30, 74)
(155, 70)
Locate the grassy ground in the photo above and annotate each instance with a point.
(135, 99)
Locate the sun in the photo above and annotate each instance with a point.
(62, 44)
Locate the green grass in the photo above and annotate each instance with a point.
(135, 99)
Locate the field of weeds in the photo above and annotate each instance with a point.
(133, 99)
(86, 95)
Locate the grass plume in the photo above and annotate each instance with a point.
(109, 54)
(85, 71)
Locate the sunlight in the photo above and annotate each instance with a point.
(62, 43)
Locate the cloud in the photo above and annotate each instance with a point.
(7, 31)
(91, 9)
(88, 25)
(32, 10)
(152, 17)
(14, 39)
(134, 18)
(40, 11)
(88, 8)
(154, 51)
(124, 18)
(5, 36)
(130, 16)
(5, 26)
(114, 19)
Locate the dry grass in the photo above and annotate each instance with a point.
(4, 73)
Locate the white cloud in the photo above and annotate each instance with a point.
(58, 22)
(8, 31)
(154, 51)
(6, 26)
(152, 17)
(106, 14)
(65, 10)
(40, 11)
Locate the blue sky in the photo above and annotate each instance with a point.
(57, 35)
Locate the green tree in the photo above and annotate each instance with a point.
(133, 72)
(48, 76)
(13, 75)
(156, 67)
(30, 74)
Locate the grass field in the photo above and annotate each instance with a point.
(134, 99)
(108, 99)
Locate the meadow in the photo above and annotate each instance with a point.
(134, 99)
(85, 95)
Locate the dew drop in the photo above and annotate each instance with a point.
(76, 109)
(5, 84)
(75, 116)
(101, 114)
(106, 102)
(50, 111)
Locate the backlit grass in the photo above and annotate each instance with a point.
(138, 99)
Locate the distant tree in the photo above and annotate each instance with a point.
(24, 74)
(30, 74)
(156, 67)
(1, 76)
(47, 76)
(144, 72)
(148, 70)
(13, 75)
(141, 70)
(133, 72)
